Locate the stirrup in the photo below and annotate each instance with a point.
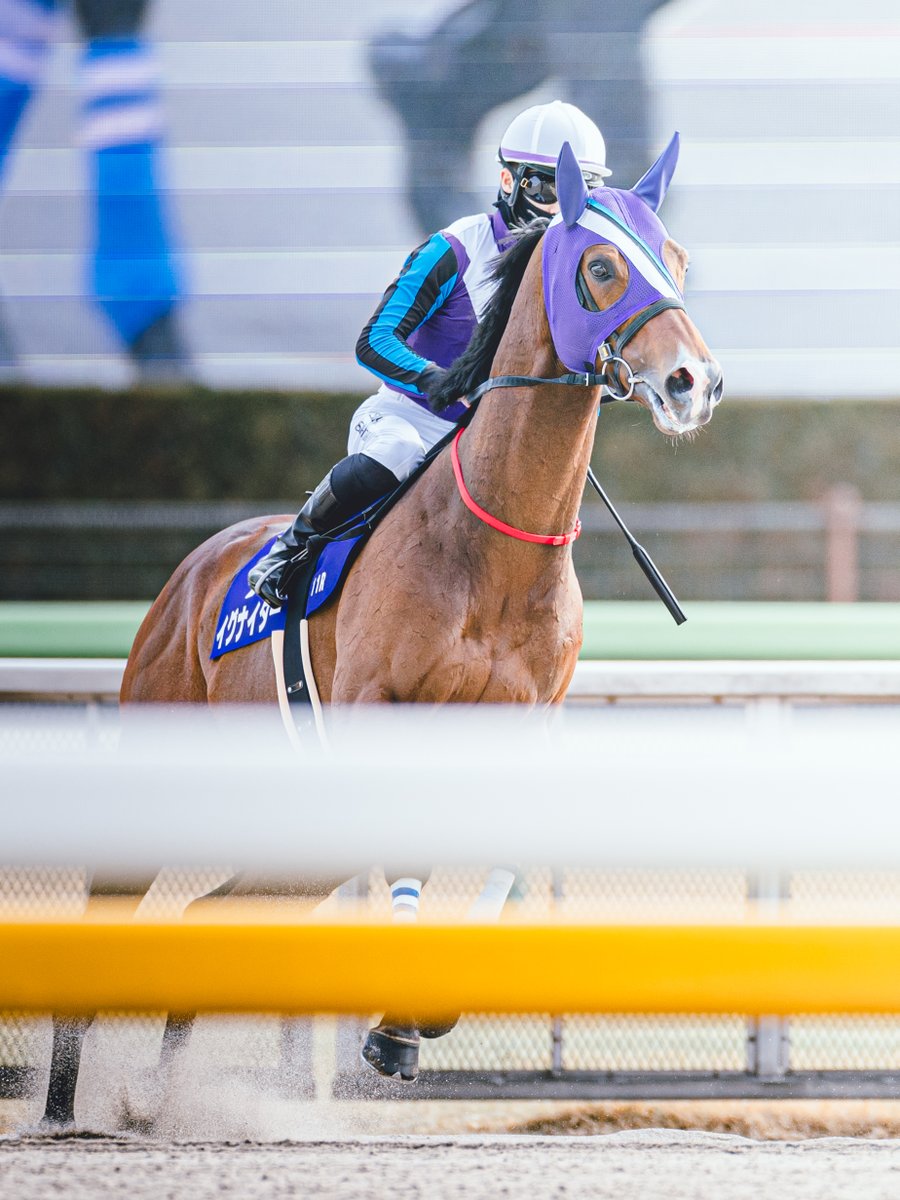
(288, 570)
(258, 584)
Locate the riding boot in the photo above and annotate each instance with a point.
(349, 487)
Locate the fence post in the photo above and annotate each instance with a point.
(556, 1024)
(843, 509)
(768, 1038)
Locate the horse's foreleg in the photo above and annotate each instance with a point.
(487, 906)
(179, 1026)
(65, 1059)
(392, 1047)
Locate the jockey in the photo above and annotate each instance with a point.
(425, 320)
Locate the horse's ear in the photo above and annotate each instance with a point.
(653, 186)
(570, 186)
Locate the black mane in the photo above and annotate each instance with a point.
(474, 364)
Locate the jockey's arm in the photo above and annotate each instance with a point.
(424, 284)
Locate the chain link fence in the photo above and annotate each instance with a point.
(646, 1055)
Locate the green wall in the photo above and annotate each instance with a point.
(642, 630)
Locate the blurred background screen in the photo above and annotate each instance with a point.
(212, 196)
(304, 148)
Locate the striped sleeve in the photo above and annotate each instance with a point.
(423, 285)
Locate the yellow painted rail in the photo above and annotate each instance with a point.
(246, 959)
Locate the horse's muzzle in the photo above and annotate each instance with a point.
(686, 398)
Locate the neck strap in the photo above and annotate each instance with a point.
(558, 539)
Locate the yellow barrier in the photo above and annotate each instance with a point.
(249, 959)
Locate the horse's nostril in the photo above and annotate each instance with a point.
(679, 382)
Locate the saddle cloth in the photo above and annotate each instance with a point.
(245, 618)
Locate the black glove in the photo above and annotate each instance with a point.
(429, 384)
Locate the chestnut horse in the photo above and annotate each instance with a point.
(441, 606)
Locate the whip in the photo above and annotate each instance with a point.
(644, 561)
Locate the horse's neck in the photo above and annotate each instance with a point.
(526, 454)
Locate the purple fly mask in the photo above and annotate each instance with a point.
(624, 219)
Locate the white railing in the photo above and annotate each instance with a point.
(751, 683)
(463, 786)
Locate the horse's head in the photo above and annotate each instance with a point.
(613, 277)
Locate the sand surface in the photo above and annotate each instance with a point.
(650, 1164)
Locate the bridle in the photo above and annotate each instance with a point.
(611, 361)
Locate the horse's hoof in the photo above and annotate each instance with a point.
(50, 1127)
(393, 1054)
(439, 1027)
(143, 1100)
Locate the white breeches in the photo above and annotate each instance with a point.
(395, 431)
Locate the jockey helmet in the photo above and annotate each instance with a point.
(530, 147)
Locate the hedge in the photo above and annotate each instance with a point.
(197, 444)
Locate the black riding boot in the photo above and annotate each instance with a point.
(352, 485)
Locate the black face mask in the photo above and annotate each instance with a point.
(523, 213)
(531, 187)
(526, 211)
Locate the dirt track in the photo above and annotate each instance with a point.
(650, 1164)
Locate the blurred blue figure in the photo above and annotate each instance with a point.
(132, 278)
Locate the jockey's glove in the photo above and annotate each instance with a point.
(429, 381)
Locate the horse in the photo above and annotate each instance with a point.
(466, 591)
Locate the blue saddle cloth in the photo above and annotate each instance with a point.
(245, 618)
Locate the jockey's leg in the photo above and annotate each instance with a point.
(133, 278)
(376, 465)
(350, 486)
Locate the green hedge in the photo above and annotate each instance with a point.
(185, 444)
(196, 444)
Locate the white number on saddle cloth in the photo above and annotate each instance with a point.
(318, 583)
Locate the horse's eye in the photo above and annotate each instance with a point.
(600, 270)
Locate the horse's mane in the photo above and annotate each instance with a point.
(474, 364)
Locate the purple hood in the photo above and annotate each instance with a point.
(625, 219)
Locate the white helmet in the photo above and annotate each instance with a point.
(536, 136)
